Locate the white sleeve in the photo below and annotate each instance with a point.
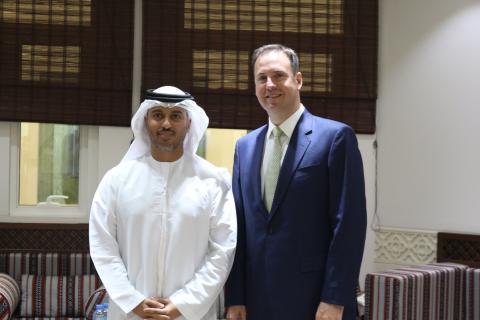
(104, 248)
(198, 295)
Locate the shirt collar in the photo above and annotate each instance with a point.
(288, 125)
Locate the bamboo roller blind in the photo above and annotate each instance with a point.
(204, 47)
(66, 61)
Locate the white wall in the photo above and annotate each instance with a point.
(366, 146)
(113, 143)
(428, 115)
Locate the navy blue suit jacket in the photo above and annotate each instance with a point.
(309, 248)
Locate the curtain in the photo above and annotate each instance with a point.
(66, 61)
(204, 47)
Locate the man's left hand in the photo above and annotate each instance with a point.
(326, 311)
(168, 312)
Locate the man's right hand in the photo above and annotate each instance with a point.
(237, 313)
(147, 303)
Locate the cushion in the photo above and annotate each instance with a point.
(56, 296)
(9, 296)
(97, 297)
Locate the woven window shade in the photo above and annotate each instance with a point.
(204, 47)
(66, 61)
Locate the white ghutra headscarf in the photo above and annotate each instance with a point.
(168, 97)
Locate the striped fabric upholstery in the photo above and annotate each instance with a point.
(55, 296)
(9, 296)
(56, 264)
(472, 292)
(433, 292)
(62, 265)
(50, 318)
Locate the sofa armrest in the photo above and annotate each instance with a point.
(433, 291)
(97, 297)
(9, 296)
(472, 294)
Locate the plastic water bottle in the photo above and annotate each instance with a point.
(100, 311)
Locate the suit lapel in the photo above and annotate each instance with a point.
(297, 147)
(255, 173)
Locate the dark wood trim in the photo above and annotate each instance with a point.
(44, 237)
(44, 226)
(459, 248)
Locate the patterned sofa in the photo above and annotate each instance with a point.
(46, 285)
(56, 286)
(46, 273)
(434, 291)
(46, 270)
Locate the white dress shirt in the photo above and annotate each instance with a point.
(287, 127)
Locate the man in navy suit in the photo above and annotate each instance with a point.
(300, 242)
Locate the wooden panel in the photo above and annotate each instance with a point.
(27, 237)
(459, 248)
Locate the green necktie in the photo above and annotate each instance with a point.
(273, 168)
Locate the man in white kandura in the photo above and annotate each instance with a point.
(163, 225)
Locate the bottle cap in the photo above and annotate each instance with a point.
(101, 306)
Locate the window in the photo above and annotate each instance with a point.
(52, 172)
(49, 164)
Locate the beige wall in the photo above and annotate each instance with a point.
(220, 146)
